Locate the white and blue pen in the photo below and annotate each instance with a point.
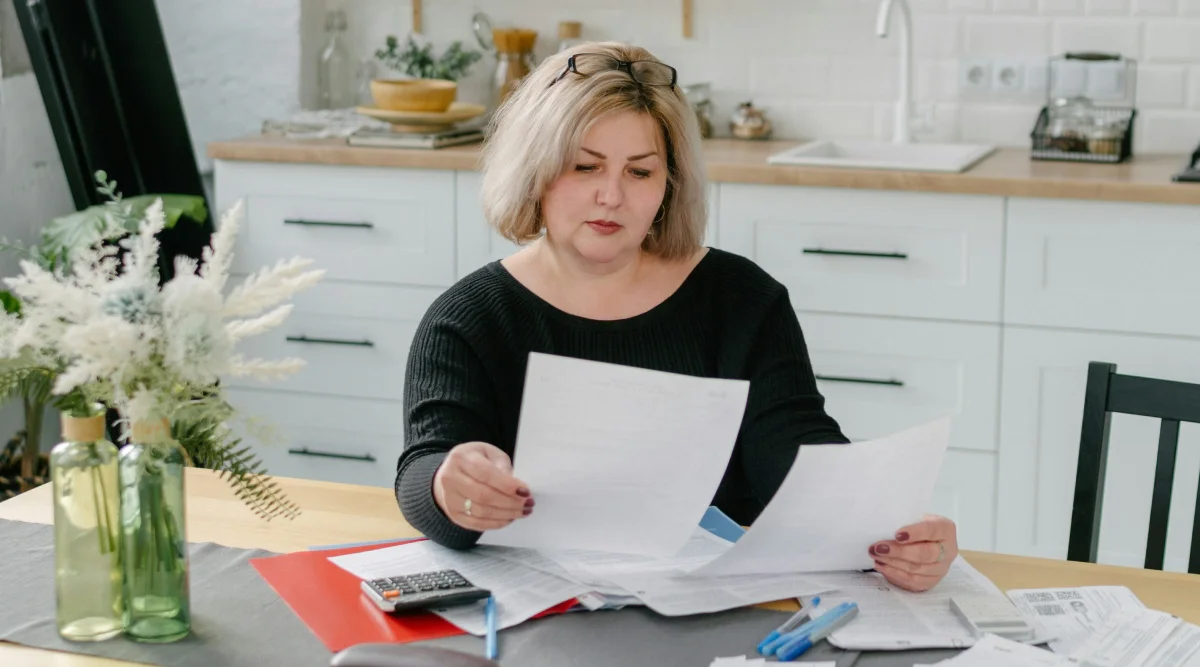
(789, 625)
(807, 628)
(798, 645)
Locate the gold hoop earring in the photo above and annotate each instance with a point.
(662, 215)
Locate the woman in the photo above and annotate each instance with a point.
(594, 162)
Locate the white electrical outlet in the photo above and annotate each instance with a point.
(1008, 77)
(974, 77)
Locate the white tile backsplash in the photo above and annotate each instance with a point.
(819, 70)
(1005, 36)
(1162, 87)
(1068, 7)
(1015, 6)
(1108, 7)
(1155, 7)
(1107, 35)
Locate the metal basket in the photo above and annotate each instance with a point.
(1074, 147)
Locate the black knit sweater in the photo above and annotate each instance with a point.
(729, 319)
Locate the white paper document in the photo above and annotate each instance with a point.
(619, 458)
(521, 592)
(837, 500)
(1071, 615)
(681, 594)
(1142, 637)
(891, 618)
(993, 651)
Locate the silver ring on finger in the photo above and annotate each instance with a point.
(467, 507)
(941, 551)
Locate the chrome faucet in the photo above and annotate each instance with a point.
(901, 134)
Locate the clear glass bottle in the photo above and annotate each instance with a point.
(87, 546)
(153, 512)
(335, 71)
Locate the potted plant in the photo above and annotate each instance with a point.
(22, 465)
(420, 81)
(86, 256)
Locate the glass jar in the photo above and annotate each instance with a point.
(154, 535)
(87, 546)
(1069, 124)
(1106, 136)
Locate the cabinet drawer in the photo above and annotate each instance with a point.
(1103, 265)
(332, 439)
(869, 252)
(354, 338)
(357, 223)
(880, 376)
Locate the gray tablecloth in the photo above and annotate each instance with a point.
(238, 620)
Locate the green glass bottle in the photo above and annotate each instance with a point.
(153, 512)
(87, 553)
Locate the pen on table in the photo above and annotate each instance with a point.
(790, 624)
(490, 616)
(806, 629)
(797, 647)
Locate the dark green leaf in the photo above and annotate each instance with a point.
(11, 303)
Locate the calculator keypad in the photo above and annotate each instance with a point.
(424, 589)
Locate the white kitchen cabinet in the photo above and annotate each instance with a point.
(1103, 266)
(1044, 375)
(349, 440)
(869, 252)
(354, 338)
(360, 224)
(882, 375)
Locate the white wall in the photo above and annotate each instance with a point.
(818, 69)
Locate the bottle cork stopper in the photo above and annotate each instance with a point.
(151, 431)
(569, 29)
(82, 429)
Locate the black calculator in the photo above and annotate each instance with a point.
(418, 591)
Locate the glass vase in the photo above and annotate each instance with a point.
(154, 535)
(87, 555)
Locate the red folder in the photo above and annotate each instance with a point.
(329, 601)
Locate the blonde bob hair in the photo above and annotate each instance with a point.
(535, 134)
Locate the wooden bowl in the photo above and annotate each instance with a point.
(433, 95)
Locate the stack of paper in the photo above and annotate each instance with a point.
(624, 462)
(1071, 615)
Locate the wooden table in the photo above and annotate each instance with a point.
(338, 513)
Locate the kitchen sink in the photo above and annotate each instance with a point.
(881, 155)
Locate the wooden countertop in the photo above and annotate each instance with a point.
(337, 513)
(1008, 172)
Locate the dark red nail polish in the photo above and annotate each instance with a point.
(527, 511)
(529, 504)
(871, 549)
(523, 492)
(882, 549)
(901, 537)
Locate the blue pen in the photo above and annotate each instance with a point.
(798, 646)
(490, 611)
(789, 625)
(807, 628)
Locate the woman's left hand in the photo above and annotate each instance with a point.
(920, 555)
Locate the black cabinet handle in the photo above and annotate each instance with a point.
(855, 253)
(328, 223)
(331, 341)
(305, 451)
(842, 378)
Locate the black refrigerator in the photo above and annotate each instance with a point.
(106, 80)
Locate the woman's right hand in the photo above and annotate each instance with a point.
(482, 474)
